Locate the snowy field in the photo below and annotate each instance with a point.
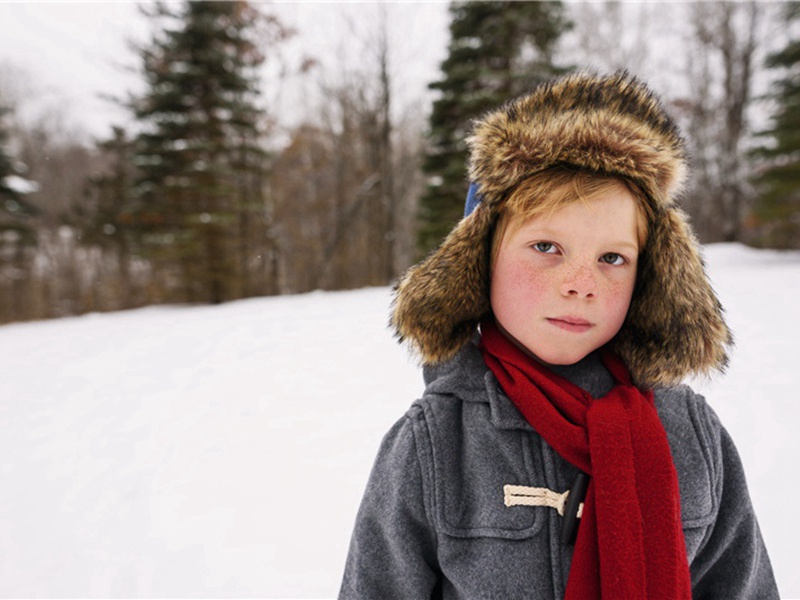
(222, 451)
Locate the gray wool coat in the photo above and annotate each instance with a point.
(433, 522)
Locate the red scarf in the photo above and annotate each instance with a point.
(630, 541)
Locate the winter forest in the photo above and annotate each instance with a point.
(248, 166)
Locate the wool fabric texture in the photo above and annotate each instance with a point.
(630, 541)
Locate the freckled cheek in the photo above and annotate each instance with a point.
(516, 290)
(618, 299)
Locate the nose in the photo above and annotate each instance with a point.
(579, 281)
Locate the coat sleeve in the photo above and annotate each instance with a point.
(732, 561)
(393, 547)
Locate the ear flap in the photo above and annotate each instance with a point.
(675, 323)
(440, 301)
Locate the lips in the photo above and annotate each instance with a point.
(574, 324)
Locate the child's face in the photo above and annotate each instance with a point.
(562, 282)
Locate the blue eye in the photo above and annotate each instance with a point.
(545, 247)
(612, 258)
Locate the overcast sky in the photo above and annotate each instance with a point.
(63, 55)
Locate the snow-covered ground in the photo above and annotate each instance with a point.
(222, 451)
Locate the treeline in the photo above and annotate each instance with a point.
(208, 197)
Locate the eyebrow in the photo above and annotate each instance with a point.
(547, 232)
(630, 245)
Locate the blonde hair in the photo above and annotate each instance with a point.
(547, 191)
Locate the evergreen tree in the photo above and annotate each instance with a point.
(199, 201)
(497, 50)
(14, 210)
(17, 232)
(778, 205)
(102, 218)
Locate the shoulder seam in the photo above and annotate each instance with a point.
(699, 417)
(422, 443)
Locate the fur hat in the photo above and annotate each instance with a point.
(614, 126)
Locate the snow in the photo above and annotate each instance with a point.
(222, 451)
(20, 185)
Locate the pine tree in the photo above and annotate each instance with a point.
(778, 205)
(199, 201)
(17, 232)
(497, 50)
(103, 220)
(14, 210)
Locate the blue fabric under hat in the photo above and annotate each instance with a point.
(473, 199)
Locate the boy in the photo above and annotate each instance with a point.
(554, 453)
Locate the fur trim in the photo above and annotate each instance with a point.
(675, 326)
(439, 302)
(613, 126)
(610, 125)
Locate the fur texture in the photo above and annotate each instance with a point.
(607, 125)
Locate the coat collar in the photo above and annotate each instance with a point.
(467, 377)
